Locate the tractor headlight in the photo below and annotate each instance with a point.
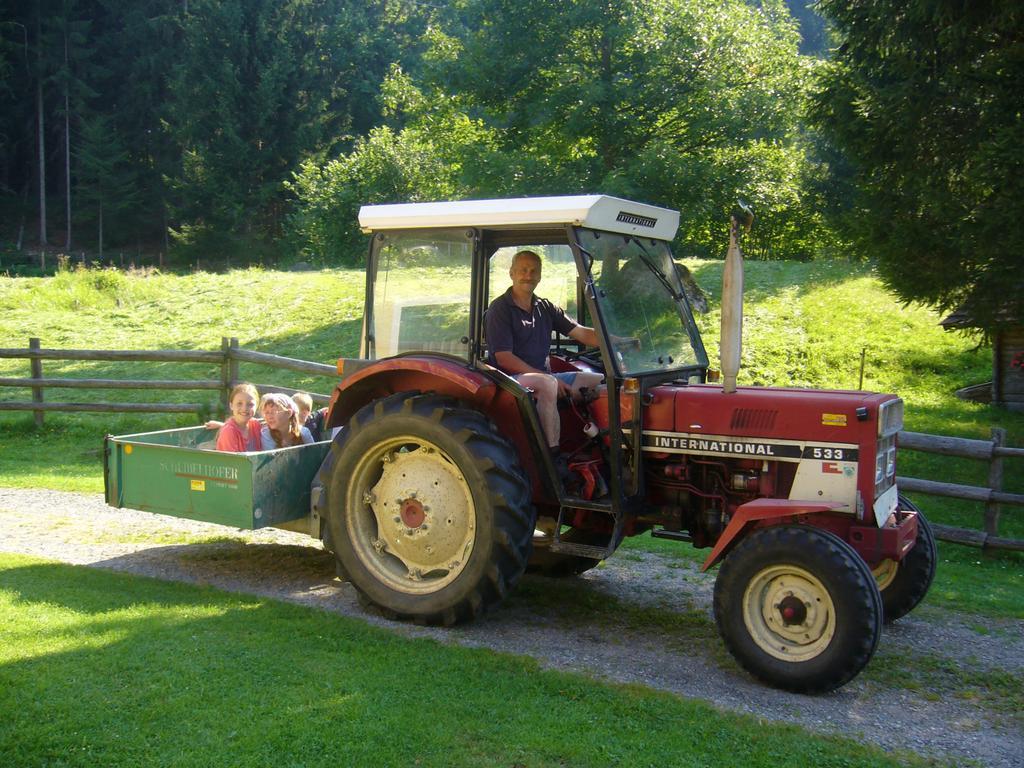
(890, 417)
(885, 463)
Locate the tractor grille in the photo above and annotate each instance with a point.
(753, 418)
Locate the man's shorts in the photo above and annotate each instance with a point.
(568, 377)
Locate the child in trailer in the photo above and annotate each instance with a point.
(281, 426)
(242, 431)
(310, 419)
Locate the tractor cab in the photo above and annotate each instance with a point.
(435, 268)
(607, 262)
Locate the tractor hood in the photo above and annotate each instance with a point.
(703, 412)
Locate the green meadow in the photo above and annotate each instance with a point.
(805, 324)
(99, 668)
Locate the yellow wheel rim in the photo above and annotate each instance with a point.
(885, 572)
(412, 519)
(789, 613)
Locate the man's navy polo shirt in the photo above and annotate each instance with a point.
(527, 335)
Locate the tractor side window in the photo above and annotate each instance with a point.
(421, 293)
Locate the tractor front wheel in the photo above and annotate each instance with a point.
(430, 515)
(798, 608)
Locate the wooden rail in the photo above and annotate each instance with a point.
(230, 355)
(227, 358)
(993, 496)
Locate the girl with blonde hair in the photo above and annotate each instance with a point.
(281, 426)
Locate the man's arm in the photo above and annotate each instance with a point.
(585, 335)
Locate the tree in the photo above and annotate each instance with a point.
(107, 179)
(923, 98)
(420, 162)
(15, 72)
(260, 86)
(675, 102)
(41, 130)
(683, 103)
(68, 35)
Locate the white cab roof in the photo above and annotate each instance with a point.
(595, 211)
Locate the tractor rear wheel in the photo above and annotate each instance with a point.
(798, 608)
(905, 583)
(430, 514)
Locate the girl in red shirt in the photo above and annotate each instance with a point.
(241, 432)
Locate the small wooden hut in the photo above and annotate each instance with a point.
(1007, 386)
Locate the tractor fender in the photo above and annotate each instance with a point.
(758, 510)
(424, 373)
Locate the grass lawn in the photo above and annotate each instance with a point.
(98, 668)
(806, 324)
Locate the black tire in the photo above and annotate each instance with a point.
(904, 584)
(429, 513)
(825, 626)
(556, 565)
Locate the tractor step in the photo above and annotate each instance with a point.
(662, 533)
(580, 550)
(593, 551)
(590, 505)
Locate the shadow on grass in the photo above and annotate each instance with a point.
(105, 669)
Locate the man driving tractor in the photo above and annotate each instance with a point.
(519, 325)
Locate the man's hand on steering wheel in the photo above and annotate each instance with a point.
(626, 342)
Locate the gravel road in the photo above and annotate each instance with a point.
(932, 718)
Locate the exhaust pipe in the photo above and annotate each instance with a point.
(732, 299)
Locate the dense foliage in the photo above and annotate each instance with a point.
(255, 128)
(146, 120)
(676, 102)
(924, 99)
(258, 126)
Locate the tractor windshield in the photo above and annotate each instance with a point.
(641, 301)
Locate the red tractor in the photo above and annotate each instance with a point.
(440, 492)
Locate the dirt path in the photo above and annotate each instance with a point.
(639, 618)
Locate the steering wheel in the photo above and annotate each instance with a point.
(570, 356)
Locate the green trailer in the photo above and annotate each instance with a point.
(177, 472)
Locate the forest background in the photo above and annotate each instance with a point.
(231, 132)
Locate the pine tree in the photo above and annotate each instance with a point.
(69, 35)
(924, 99)
(107, 179)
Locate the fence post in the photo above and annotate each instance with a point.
(995, 482)
(37, 373)
(235, 361)
(225, 374)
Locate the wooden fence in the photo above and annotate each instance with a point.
(995, 452)
(227, 358)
